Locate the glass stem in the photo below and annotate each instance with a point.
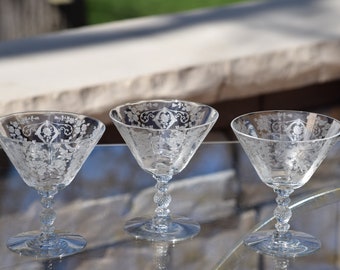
(282, 214)
(47, 217)
(281, 263)
(162, 198)
(162, 255)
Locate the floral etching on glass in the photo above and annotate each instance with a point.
(46, 147)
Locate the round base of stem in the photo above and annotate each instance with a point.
(61, 245)
(179, 229)
(294, 244)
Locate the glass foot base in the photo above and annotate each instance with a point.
(29, 244)
(180, 228)
(294, 245)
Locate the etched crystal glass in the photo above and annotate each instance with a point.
(285, 148)
(48, 149)
(163, 135)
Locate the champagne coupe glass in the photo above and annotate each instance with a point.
(48, 149)
(285, 148)
(163, 135)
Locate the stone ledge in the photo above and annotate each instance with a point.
(208, 56)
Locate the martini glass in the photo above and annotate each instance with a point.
(285, 148)
(48, 149)
(163, 135)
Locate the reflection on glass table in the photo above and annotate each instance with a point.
(219, 188)
(321, 204)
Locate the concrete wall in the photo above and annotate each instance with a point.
(211, 56)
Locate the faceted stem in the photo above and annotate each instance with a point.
(162, 255)
(282, 213)
(47, 217)
(281, 263)
(162, 198)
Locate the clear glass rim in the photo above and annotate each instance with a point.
(232, 123)
(101, 125)
(117, 108)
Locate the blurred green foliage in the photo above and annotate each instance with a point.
(100, 11)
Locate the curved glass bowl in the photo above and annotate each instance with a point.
(285, 148)
(48, 148)
(163, 135)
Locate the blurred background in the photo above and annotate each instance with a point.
(236, 55)
(25, 18)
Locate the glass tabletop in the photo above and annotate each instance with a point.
(319, 212)
(219, 188)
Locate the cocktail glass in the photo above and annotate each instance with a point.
(48, 149)
(163, 135)
(285, 148)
